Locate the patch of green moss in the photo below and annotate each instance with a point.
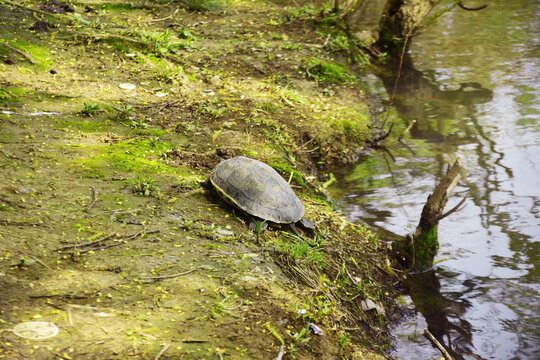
(353, 122)
(349, 122)
(419, 254)
(123, 46)
(131, 155)
(5, 208)
(39, 53)
(323, 71)
(84, 125)
(285, 169)
(148, 132)
(10, 95)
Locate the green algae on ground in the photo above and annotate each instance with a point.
(131, 156)
(180, 268)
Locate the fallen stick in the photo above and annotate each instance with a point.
(19, 223)
(281, 352)
(160, 354)
(102, 247)
(124, 241)
(438, 344)
(73, 296)
(147, 278)
(94, 199)
(406, 130)
(86, 243)
(39, 261)
(67, 296)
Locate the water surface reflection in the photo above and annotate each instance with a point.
(472, 83)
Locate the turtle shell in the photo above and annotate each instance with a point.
(257, 189)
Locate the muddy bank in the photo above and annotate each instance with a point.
(111, 117)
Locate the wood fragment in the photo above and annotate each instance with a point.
(86, 243)
(66, 296)
(418, 251)
(150, 278)
(286, 101)
(94, 199)
(454, 209)
(73, 296)
(19, 223)
(70, 317)
(432, 211)
(102, 247)
(281, 352)
(160, 354)
(406, 130)
(122, 242)
(437, 344)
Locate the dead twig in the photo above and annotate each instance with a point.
(438, 344)
(375, 141)
(454, 209)
(151, 278)
(396, 82)
(38, 261)
(65, 296)
(94, 199)
(160, 354)
(406, 130)
(72, 296)
(281, 352)
(286, 101)
(86, 243)
(122, 242)
(19, 223)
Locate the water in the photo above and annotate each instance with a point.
(472, 83)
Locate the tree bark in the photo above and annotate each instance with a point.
(403, 17)
(419, 250)
(384, 22)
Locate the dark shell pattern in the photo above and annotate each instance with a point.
(257, 189)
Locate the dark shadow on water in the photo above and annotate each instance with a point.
(443, 314)
(418, 96)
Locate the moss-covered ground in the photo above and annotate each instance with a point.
(110, 119)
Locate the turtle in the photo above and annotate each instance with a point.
(259, 191)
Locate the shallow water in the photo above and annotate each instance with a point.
(472, 83)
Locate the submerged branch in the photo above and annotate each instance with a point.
(437, 344)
